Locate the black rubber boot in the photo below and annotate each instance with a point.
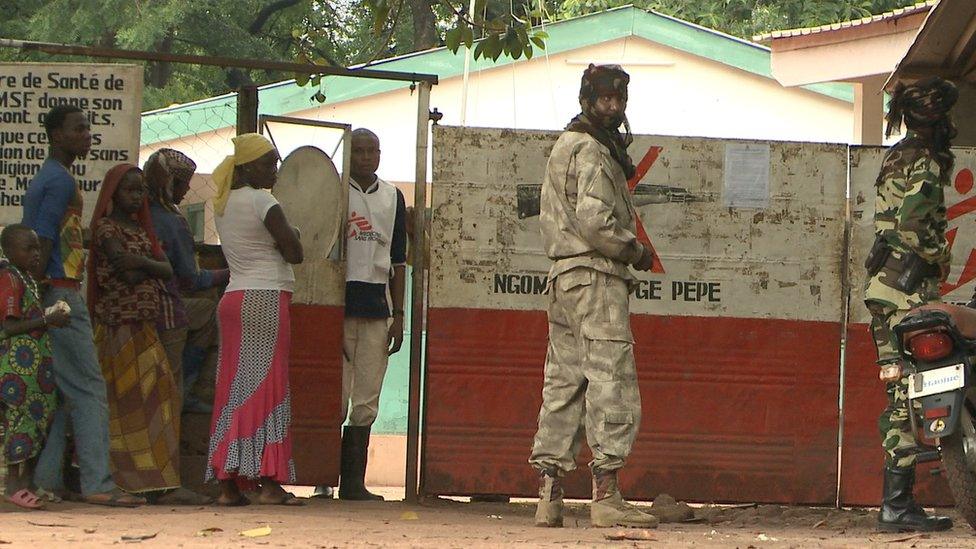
(899, 510)
(352, 470)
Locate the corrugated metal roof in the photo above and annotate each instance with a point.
(945, 45)
(886, 16)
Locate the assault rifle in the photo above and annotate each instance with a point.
(529, 195)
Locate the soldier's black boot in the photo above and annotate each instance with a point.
(899, 510)
(352, 469)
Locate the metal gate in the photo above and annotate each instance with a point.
(738, 329)
(314, 196)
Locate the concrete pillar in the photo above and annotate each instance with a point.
(869, 111)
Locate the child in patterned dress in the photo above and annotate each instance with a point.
(27, 392)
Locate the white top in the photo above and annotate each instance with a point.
(255, 263)
(369, 233)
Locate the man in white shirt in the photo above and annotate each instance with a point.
(376, 257)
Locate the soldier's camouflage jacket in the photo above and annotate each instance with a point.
(587, 215)
(909, 210)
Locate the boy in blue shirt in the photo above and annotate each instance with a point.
(52, 207)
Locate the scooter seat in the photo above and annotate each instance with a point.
(963, 317)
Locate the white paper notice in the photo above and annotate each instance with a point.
(746, 175)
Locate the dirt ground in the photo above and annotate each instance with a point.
(447, 523)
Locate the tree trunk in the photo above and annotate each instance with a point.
(161, 71)
(424, 25)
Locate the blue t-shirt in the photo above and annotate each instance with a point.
(175, 236)
(49, 211)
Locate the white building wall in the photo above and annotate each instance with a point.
(671, 93)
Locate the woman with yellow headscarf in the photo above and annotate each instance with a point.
(250, 440)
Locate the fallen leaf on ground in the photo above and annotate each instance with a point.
(409, 515)
(819, 524)
(138, 537)
(89, 530)
(5, 542)
(764, 537)
(207, 531)
(631, 535)
(48, 525)
(257, 532)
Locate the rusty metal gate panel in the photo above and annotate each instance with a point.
(864, 399)
(315, 368)
(737, 328)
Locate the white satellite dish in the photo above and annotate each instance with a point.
(311, 193)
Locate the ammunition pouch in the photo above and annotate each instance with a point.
(907, 273)
(878, 255)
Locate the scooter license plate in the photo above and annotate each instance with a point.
(937, 381)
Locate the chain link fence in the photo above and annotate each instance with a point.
(202, 131)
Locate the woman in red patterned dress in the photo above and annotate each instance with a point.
(126, 273)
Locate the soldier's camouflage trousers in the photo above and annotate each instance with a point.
(590, 382)
(888, 307)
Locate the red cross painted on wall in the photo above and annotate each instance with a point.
(963, 183)
(642, 168)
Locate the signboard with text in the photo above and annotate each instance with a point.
(110, 95)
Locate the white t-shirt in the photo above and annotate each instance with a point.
(255, 263)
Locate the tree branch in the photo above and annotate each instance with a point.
(266, 13)
(389, 36)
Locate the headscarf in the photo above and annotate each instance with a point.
(926, 104)
(248, 147)
(177, 164)
(103, 208)
(600, 80)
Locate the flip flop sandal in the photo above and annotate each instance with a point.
(47, 496)
(325, 494)
(242, 501)
(292, 501)
(288, 500)
(117, 498)
(26, 499)
(181, 496)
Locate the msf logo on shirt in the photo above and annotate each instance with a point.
(361, 229)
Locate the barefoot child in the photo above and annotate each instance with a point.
(27, 392)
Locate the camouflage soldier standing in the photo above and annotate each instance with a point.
(908, 260)
(588, 228)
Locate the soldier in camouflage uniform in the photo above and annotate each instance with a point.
(588, 228)
(910, 220)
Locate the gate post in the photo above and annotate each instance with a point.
(411, 488)
(247, 109)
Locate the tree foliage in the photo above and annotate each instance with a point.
(747, 18)
(337, 33)
(508, 28)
